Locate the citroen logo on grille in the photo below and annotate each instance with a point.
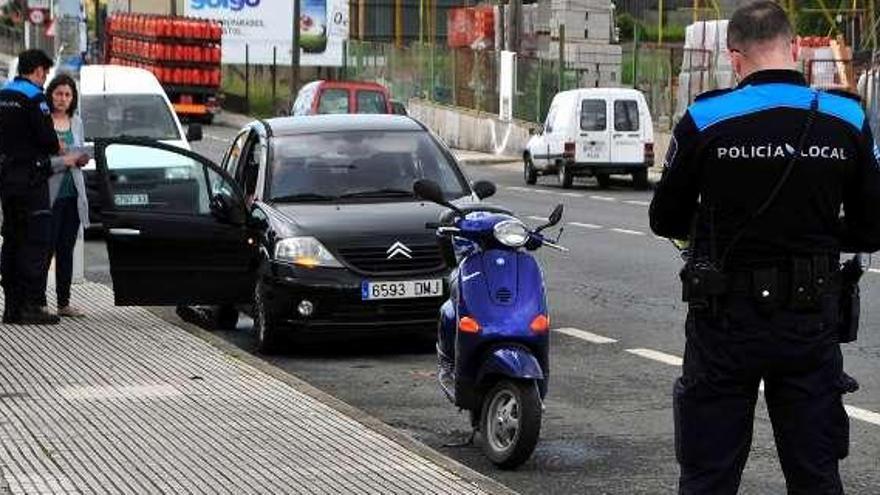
(399, 249)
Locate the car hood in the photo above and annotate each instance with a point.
(359, 223)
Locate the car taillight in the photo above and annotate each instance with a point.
(649, 153)
(568, 151)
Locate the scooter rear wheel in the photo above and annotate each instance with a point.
(511, 422)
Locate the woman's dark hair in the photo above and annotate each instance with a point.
(63, 80)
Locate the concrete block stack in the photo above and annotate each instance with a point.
(705, 62)
(589, 47)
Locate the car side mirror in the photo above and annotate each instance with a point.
(194, 132)
(223, 209)
(484, 189)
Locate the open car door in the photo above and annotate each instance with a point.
(176, 226)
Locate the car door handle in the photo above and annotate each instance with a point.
(618, 135)
(125, 232)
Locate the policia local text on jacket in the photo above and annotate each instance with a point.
(28, 149)
(777, 320)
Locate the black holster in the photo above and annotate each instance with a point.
(701, 284)
(850, 301)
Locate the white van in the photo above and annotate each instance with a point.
(126, 101)
(579, 139)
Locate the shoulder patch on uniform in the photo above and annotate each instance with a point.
(712, 93)
(671, 152)
(44, 107)
(876, 156)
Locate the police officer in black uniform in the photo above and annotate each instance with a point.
(28, 157)
(755, 178)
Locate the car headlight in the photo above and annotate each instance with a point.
(511, 233)
(305, 251)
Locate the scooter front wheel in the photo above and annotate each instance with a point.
(511, 422)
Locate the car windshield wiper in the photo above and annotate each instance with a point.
(302, 197)
(379, 193)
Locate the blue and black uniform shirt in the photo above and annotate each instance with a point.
(729, 151)
(27, 134)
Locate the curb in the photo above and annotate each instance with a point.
(481, 481)
(486, 161)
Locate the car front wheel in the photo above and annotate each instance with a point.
(265, 325)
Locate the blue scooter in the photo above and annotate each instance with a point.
(493, 339)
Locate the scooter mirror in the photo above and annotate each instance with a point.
(556, 216)
(429, 190)
(484, 189)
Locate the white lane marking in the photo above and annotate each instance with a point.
(540, 219)
(215, 138)
(584, 335)
(863, 415)
(874, 270)
(572, 195)
(629, 232)
(638, 203)
(517, 188)
(853, 412)
(657, 356)
(586, 225)
(603, 198)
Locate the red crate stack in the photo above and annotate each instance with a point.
(178, 50)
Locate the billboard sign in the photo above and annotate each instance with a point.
(261, 25)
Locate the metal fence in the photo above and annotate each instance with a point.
(459, 77)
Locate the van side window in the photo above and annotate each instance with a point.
(593, 115)
(333, 101)
(626, 115)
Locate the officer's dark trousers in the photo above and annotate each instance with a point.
(726, 357)
(27, 224)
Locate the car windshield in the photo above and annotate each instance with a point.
(139, 115)
(360, 164)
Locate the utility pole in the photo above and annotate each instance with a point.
(294, 51)
(515, 22)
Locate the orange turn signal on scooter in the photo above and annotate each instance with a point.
(541, 324)
(468, 325)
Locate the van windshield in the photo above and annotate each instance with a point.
(148, 116)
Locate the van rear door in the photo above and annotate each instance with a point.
(626, 139)
(594, 140)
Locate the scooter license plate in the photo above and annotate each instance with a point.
(407, 289)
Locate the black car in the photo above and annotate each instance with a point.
(311, 221)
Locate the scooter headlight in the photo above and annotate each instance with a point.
(511, 233)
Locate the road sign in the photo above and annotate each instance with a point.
(38, 16)
(38, 4)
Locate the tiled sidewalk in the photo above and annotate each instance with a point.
(124, 402)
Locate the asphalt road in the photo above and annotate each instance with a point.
(608, 421)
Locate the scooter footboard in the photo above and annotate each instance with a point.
(511, 361)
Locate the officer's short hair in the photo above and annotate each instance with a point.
(31, 60)
(758, 22)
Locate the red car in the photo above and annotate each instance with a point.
(329, 97)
